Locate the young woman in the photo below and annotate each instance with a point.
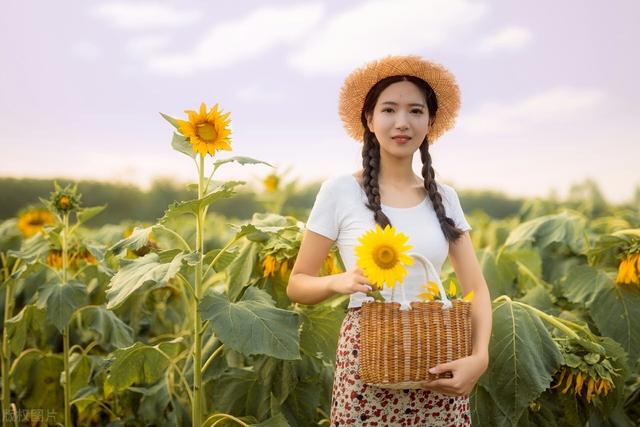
(395, 106)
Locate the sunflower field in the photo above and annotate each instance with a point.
(186, 321)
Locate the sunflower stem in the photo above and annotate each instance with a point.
(6, 355)
(197, 324)
(65, 334)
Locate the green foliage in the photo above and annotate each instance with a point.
(550, 270)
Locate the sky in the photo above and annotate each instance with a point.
(549, 89)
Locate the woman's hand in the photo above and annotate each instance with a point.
(466, 373)
(352, 280)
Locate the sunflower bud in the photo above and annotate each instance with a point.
(65, 200)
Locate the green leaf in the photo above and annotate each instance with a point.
(239, 391)
(28, 321)
(142, 364)
(321, 325)
(523, 355)
(500, 273)
(85, 214)
(98, 251)
(171, 120)
(302, 402)
(36, 377)
(111, 332)
(240, 271)
(250, 231)
(253, 325)
(276, 421)
(31, 249)
(80, 366)
(154, 402)
(485, 411)
(138, 238)
(142, 274)
(239, 159)
(564, 228)
(223, 262)
(180, 144)
(261, 233)
(61, 301)
(192, 207)
(278, 376)
(614, 309)
(539, 298)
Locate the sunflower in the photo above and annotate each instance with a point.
(54, 258)
(271, 183)
(331, 266)
(31, 221)
(382, 255)
(65, 200)
(629, 270)
(207, 132)
(432, 292)
(575, 380)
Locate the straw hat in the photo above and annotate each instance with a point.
(360, 81)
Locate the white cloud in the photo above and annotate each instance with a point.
(557, 105)
(85, 50)
(233, 41)
(509, 38)
(256, 94)
(378, 28)
(144, 15)
(146, 45)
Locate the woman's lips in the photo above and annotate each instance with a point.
(401, 141)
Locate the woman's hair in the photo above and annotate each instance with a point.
(371, 158)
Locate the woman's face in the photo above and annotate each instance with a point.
(400, 119)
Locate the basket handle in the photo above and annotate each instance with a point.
(429, 270)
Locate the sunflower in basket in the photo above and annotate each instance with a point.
(382, 255)
(432, 293)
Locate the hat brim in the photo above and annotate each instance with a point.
(357, 85)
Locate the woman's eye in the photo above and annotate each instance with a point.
(417, 110)
(387, 109)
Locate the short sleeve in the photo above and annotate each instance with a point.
(454, 209)
(324, 213)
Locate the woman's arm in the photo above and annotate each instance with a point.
(305, 287)
(469, 274)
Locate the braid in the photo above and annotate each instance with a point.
(451, 232)
(371, 167)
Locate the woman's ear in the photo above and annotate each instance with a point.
(369, 121)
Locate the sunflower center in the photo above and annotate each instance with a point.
(64, 202)
(385, 257)
(206, 131)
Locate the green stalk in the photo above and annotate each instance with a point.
(197, 323)
(6, 356)
(65, 334)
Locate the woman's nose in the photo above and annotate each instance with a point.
(401, 121)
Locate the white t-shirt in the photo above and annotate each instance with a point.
(340, 213)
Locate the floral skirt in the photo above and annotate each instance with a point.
(354, 403)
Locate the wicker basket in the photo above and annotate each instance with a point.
(399, 342)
